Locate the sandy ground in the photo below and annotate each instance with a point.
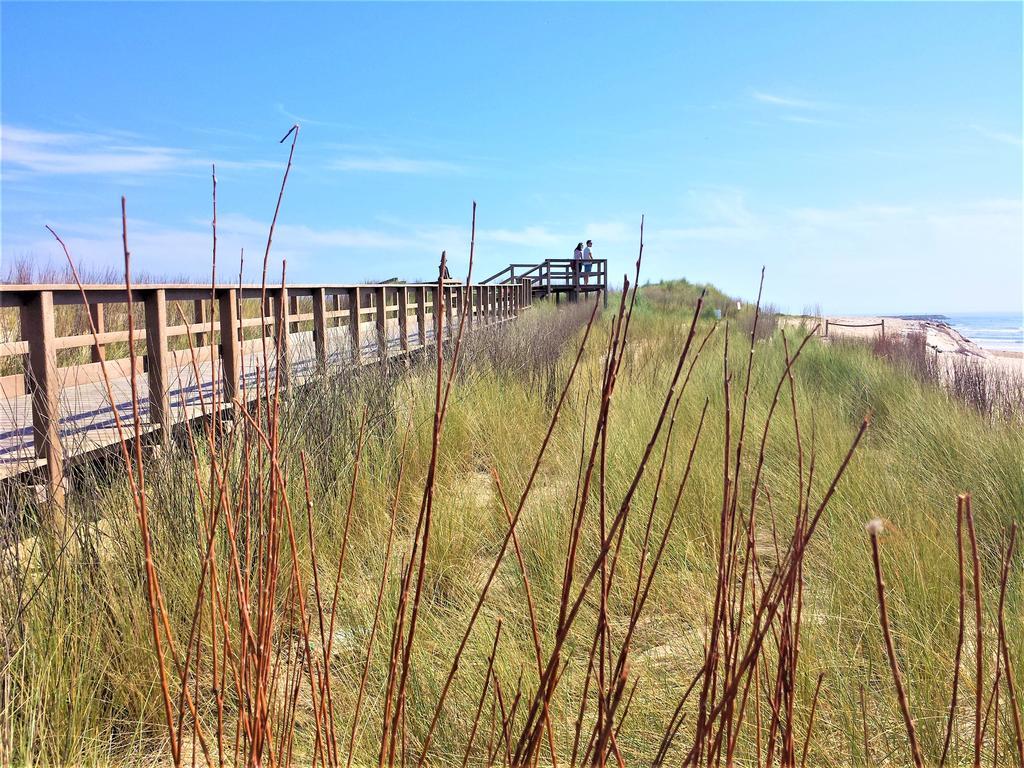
(947, 342)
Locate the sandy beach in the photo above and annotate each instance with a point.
(947, 342)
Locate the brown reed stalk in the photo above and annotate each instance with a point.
(810, 721)
(1011, 689)
(979, 681)
(380, 595)
(483, 695)
(960, 503)
(530, 605)
(508, 535)
(864, 725)
(874, 528)
(774, 590)
(427, 502)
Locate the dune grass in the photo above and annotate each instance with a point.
(79, 672)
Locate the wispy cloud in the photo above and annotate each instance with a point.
(1003, 137)
(306, 120)
(393, 164)
(790, 102)
(31, 152)
(801, 120)
(44, 152)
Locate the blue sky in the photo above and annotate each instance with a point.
(869, 155)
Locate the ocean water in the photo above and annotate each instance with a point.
(991, 330)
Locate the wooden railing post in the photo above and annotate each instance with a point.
(230, 341)
(320, 327)
(380, 299)
(37, 328)
(293, 309)
(98, 353)
(281, 326)
(199, 316)
(435, 311)
(421, 314)
(403, 317)
(355, 317)
(449, 308)
(157, 358)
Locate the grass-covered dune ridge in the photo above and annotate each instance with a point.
(80, 674)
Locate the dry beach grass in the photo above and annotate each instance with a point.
(590, 538)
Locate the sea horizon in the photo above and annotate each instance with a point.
(989, 330)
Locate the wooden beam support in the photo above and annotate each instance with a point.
(421, 314)
(97, 353)
(435, 310)
(403, 318)
(449, 308)
(158, 362)
(37, 328)
(282, 326)
(355, 318)
(320, 327)
(230, 341)
(380, 301)
(199, 316)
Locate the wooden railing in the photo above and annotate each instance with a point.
(557, 276)
(353, 324)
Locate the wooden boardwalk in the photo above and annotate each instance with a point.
(53, 412)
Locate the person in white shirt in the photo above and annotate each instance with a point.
(588, 261)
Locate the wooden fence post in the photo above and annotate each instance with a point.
(421, 315)
(199, 316)
(37, 328)
(380, 299)
(449, 309)
(403, 317)
(355, 317)
(281, 325)
(435, 311)
(97, 353)
(293, 310)
(157, 358)
(320, 327)
(230, 342)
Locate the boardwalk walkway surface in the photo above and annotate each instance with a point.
(195, 341)
(86, 417)
(54, 403)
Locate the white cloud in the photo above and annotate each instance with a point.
(48, 153)
(27, 151)
(800, 119)
(870, 257)
(777, 100)
(393, 164)
(1002, 137)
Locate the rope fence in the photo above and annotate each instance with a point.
(855, 325)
